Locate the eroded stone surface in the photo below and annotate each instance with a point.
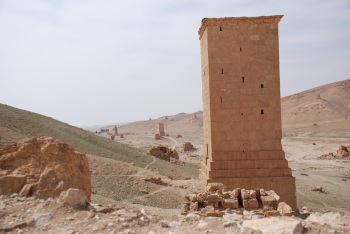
(43, 167)
(242, 130)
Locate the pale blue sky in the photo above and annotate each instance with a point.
(102, 62)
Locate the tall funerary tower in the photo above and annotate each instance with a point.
(242, 105)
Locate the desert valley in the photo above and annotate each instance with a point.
(133, 192)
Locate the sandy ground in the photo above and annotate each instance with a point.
(303, 147)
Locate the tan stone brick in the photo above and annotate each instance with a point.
(241, 105)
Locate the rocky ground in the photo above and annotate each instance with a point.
(31, 215)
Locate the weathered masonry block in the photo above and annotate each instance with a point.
(242, 106)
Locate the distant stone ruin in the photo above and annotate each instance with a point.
(163, 152)
(343, 152)
(157, 136)
(160, 129)
(187, 146)
(115, 130)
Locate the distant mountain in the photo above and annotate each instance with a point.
(330, 102)
(327, 103)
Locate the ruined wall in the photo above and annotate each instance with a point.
(241, 105)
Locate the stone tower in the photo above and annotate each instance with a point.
(242, 106)
(160, 129)
(115, 128)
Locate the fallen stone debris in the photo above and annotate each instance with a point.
(318, 189)
(156, 180)
(42, 167)
(343, 152)
(187, 146)
(163, 152)
(216, 200)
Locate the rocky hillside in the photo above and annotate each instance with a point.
(330, 102)
(17, 124)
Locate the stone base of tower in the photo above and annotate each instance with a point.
(268, 170)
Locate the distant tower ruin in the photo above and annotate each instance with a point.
(160, 129)
(115, 130)
(242, 106)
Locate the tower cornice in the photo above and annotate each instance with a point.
(237, 21)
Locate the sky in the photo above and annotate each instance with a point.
(88, 62)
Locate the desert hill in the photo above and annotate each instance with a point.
(327, 105)
(17, 124)
(184, 123)
(330, 102)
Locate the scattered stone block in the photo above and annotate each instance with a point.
(201, 197)
(26, 190)
(253, 204)
(318, 189)
(230, 203)
(213, 198)
(269, 201)
(245, 204)
(213, 187)
(193, 197)
(245, 194)
(194, 206)
(284, 209)
(271, 213)
(187, 146)
(74, 197)
(252, 193)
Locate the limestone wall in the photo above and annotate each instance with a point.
(241, 103)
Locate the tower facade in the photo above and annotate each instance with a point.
(242, 105)
(115, 128)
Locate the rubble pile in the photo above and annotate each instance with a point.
(156, 180)
(187, 146)
(43, 167)
(216, 200)
(343, 152)
(163, 152)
